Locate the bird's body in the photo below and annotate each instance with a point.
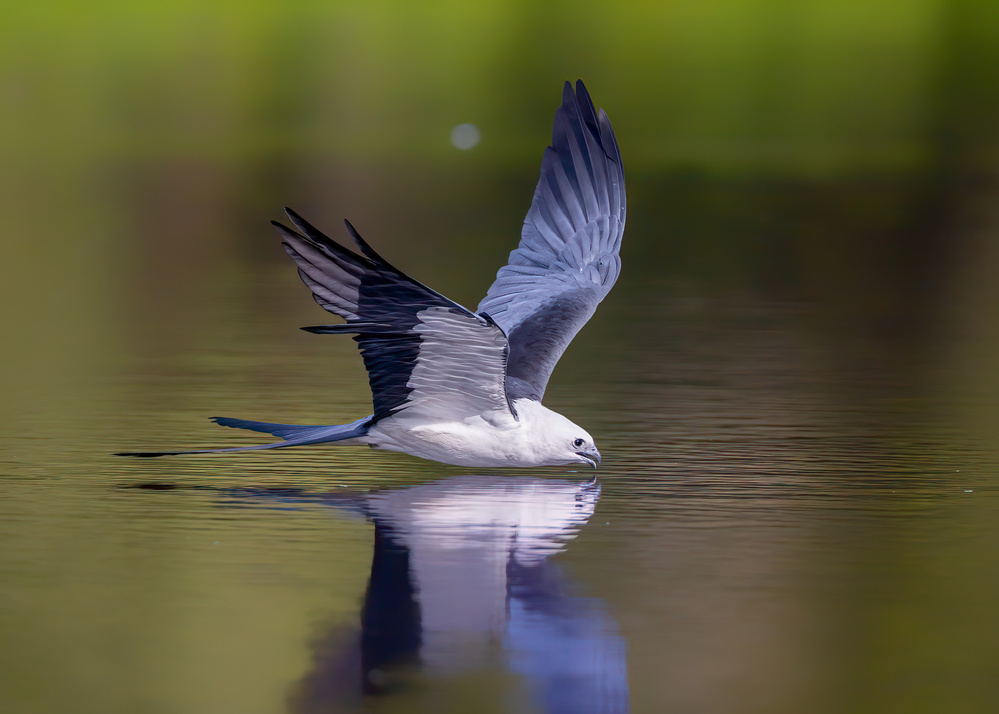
(463, 387)
(484, 441)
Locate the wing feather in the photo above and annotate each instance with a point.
(567, 260)
(424, 353)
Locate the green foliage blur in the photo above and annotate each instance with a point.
(820, 151)
(817, 87)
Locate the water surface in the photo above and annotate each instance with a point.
(770, 530)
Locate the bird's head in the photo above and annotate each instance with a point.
(562, 441)
(585, 450)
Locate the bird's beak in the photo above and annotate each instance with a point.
(592, 457)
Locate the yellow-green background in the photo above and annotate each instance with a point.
(839, 158)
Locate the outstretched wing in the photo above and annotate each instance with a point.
(567, 259)
(423, 352)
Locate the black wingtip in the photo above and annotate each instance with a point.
(585, 104)
(568, 97)
(310, 236)
(366, 249)
(356, 237)
(145, 454)
(594, 118)
(307, 228)
(288, 234)
(320, 329)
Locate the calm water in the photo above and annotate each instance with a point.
(778, 525)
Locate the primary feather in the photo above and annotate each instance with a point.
(567, 260)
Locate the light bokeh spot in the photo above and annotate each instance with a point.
(465, 136)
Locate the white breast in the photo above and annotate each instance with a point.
(473, 441)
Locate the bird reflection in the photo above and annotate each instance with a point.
(462, 583)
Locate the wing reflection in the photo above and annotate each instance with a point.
(462, 584)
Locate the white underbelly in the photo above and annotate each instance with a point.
(457, 443)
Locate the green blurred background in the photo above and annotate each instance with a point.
(838, 159)
(843, 153)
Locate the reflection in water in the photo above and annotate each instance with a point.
(462, 583)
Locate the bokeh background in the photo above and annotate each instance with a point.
(842, 153)
(817, 177)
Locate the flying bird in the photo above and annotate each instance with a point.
(462, 387)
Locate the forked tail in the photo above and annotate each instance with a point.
(291, 435)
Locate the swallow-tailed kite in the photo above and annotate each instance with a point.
(463, 387)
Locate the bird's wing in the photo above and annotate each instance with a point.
(423, 352)
(567, 259)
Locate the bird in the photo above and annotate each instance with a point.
(462, 387)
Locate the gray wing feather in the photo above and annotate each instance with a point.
(567, 259)
(425, 354)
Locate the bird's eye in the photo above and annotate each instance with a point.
(578, 442)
